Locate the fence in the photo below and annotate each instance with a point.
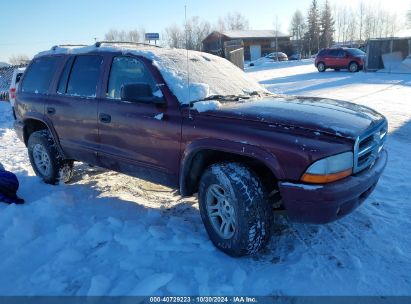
(234, 52)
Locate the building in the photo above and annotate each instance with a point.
(256, 43)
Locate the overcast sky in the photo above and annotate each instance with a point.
(27, 27)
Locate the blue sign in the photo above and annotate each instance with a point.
(152, 36)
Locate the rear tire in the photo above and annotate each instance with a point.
(321, 67)
(353, 67)
(234, 209)
(46, 160)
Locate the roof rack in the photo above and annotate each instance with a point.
(53, 48)
(99, 43)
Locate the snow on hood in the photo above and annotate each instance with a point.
(208, 74)
(206, 105)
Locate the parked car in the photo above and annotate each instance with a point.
(340, 58)
(295, 57)
(246, 152)
(15, 79)
(275, 56)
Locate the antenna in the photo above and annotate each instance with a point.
(188, 61)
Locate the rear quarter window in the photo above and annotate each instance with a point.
(84, 76)
(39, 75)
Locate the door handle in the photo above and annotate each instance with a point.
(51, 111)
(105, 118)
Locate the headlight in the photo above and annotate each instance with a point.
(329, 169)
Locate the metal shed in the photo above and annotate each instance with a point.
(376, 49)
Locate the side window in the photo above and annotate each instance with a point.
(341, 54)
(127, 70)
(62, 87)
(84, 76)
(334, 53)
(38, 76)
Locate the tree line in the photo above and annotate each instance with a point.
(188, 35)
(325, 25)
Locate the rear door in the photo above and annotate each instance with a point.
(332, 58)
(140, 139)
(73, 107)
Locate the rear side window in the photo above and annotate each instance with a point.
(334, 53)
(39, 75)
(127, 70)
(84, 76)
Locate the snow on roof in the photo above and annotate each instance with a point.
(209, 74)
(254, 34)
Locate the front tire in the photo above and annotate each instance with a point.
(46, 160)
(353, 67)
(321, 67)
(234, 209)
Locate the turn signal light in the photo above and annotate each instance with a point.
(327, 178)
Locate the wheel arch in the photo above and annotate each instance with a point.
(200, 155)
(33, 123)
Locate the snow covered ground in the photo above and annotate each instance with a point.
(107, 233)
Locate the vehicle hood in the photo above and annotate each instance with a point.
(334, 117)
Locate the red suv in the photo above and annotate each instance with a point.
(340, 58)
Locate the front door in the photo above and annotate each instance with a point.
(139, 139)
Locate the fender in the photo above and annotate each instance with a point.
(239, 148)
(45, 120)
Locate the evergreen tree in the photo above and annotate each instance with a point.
(327, 26)
(313, 24)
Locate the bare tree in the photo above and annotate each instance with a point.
(361, 17)
(19, 59)
(174, 36)
(196, 31)
(190, 35)
(236, 21)
(298, 28)
(136, 35)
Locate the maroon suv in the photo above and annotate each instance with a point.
(197, 123)
(340, 58)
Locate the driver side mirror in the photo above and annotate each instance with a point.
(140, 92)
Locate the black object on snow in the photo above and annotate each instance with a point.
(9, 185)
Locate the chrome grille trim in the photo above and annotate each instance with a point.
(368, 146)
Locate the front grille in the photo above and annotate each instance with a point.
(368, 146)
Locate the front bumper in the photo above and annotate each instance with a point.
(328, 202)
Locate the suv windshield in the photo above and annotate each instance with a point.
(208, 74)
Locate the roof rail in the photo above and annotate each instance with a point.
(53, 48)
(99, 43)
